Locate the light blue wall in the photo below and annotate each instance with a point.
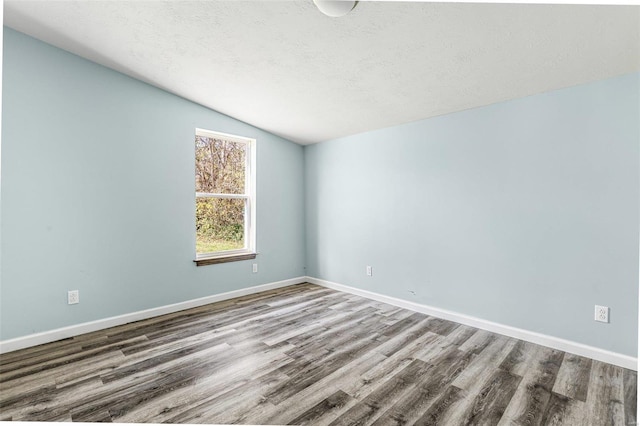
(523, 213)
(98, 194)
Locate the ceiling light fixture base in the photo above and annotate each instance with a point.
(335, 8)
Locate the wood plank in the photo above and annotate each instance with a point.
(573, 377)
(630, 379)
(562, 410)
(530, 400)
(404, 324)
(490, 403)
(605, 398)
(486, 361)
(441, 326)
(402, 339)
(376, 376)
(479, 372)
(480, 340)
(441, 408)
(316, 370)
(416, 402)
(461, 334)
(336, 327)
(384, 396)
(324, 409)
(519, 358)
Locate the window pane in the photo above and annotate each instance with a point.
(219, 224)
(220, 166)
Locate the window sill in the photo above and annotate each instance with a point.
(224, 259)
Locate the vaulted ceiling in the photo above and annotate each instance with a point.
(285, 67)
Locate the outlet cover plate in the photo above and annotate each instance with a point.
(602, 314)
(369, 271)
(73, 297)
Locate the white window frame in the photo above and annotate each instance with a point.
(249, 196)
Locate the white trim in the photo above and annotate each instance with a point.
(603, 355)
(529, 336)
(251, 174)
(88, 327)
(223, 136)
(223, 253)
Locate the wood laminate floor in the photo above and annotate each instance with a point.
(310, 355)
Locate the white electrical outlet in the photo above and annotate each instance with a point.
(73, 297)
(369, 271)
(602, 313)
(255, 268)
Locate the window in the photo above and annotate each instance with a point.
(225, 198)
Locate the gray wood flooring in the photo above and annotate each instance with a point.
(309, 355)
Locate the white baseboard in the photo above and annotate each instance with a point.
(518, 333)
(87, 327)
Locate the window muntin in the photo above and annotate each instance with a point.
(225, 194)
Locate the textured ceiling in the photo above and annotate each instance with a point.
(286, 68)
